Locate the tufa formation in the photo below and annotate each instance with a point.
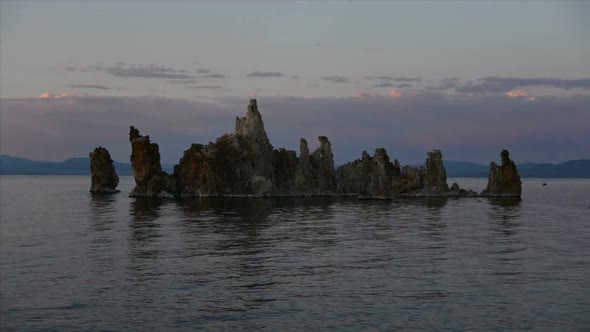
(503, 180)
(103, 177)
(245, 164)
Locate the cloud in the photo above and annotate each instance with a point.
(49, 95)
(265, 74)
(147, 72)
(519, 94)
(88, 86)
(382, 85)
(213, 76)
(191, 81)
(394, 78)
(394, 93)
(203, 71)
(445, 84)
(494, 84)
(405, 86)
(209, 87)
(295, 77)
(336, 79)
(71, 67)
(120, 69)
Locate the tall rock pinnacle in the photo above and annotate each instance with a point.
(102, 172)
(503, 180)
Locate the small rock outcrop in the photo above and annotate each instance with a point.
(378, 178)
(369, 177)
(150, 180)
(104, 178)
(503, 180)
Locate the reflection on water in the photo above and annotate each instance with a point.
(505, 201)
(145, 231)
(505, 211)
(102, 220)
(101, 211)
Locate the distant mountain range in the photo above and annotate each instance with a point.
(81, 166)
(72, 166)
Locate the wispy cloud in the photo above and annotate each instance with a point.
(189, 81)
(494, 84)
(213, 76)
(148, 72)
(519, 94)
(336, 79)
(49, 95)
(203, 71)
(382, 85)
(208, 87)
(394, 93)
(88, 86)
(120, 69)
(445, 84)
(394, 78)
(265, 74)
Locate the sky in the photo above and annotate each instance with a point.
(469, 78)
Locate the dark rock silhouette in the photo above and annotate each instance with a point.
(238, 164)
(150, 180)
(245, 164)
(378, 178)
(503, 180)
(369, 177)
(104, 178)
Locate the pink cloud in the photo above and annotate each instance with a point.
(394, 93)
(519, 94)
(49, 95)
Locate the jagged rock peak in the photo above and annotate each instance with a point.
(104, 178)
(252, 126)
(503, 180)
(303, 148)
(133, 133)
(325, 150)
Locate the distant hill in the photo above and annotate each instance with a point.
(81, 166)
(72, 166)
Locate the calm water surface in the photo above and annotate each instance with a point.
(71, 261)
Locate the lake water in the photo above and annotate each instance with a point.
(71, 261)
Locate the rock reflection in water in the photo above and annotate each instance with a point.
(145, 231)
(101, 211)
(102, 222)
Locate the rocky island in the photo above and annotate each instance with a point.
(245, 164)
(104, 178)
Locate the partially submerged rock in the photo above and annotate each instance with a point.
(378, 178)
(104, 178)
(503, 180)
(369, 177)
(150, 180)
